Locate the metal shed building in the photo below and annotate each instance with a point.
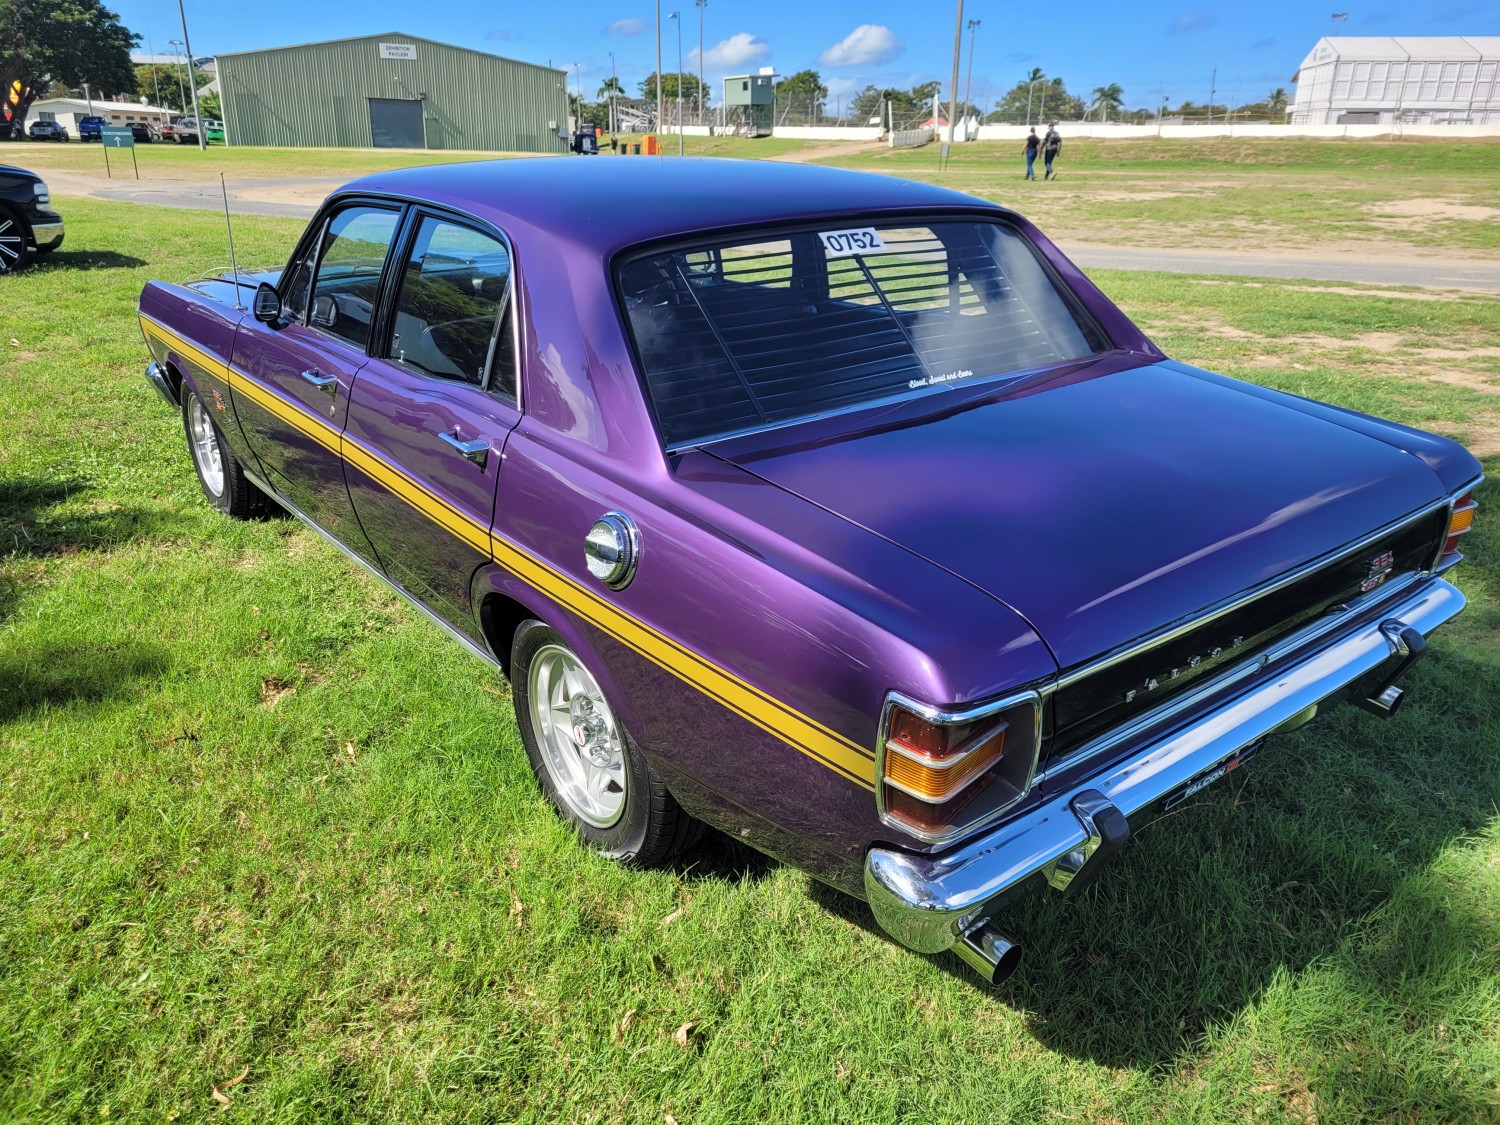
(391, 91)
(1385, 80)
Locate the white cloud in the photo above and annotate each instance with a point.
(844, 87)
(737, 51)
(626, 28)
(868, 43)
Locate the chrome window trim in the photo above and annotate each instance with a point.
(946, 717)
(1238, 601)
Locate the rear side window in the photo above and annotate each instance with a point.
(451, 311)
(744, 334)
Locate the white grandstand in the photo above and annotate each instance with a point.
(1379, 80)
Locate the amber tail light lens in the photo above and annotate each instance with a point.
(1460, 522)
(936, 767)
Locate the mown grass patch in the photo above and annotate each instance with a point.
(256, 813)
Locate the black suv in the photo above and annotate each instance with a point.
(27, 226)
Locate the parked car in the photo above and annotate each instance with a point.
(165, 132)
(213, 131)
(28, 225)
(185, 130)
(47, 131)
(837, 511)
(141, 132)
(91, 128)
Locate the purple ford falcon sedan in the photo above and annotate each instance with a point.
(837, 511)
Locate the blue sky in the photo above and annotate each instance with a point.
(1153, 48)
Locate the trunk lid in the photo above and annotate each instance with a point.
(1105, 508)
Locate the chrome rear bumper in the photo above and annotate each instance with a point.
(932, 902)
(158, 379)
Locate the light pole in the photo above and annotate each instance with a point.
(1030, 90)
(187, 49)
(701, 5)
(578, 74)
(958, 47)
(661, 103)
(614, 84)
(678, 17)
(969, 80)
(181, 92)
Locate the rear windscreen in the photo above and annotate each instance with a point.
(738, 335)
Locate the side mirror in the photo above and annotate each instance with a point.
(325, 313)
(267, 305)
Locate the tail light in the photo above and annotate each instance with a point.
(1460, 522)
(944, 772)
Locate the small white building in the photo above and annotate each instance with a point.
(67, 111)
(1385, 80)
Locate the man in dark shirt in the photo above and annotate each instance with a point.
(1051, 146)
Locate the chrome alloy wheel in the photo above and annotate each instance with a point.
(12, 243)
(579, 739)
(205, 442)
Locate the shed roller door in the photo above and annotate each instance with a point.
(396, 123)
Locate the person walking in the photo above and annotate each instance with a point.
(1032, 144)
(1051, 146)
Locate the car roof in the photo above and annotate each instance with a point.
(608, 202)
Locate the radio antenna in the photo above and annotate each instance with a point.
(233, 266)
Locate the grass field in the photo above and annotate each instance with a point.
(1415, 197)
(257, 816)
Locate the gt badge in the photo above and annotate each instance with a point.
(1377, 569)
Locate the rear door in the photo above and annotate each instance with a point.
(296, 375)
(431, 412)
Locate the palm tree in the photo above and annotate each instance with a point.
(1036, 75)
(1276, 101)
(1107, 98)
(611, 88)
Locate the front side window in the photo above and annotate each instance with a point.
(350, 260)
(737, 335)
(452, 310)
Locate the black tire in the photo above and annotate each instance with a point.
(15, 242)
(651, 827)
(220, 474)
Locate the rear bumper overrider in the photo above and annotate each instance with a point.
(933, 903)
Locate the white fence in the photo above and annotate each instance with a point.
(910, 138)
(1193, 132)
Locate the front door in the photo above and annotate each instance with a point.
(291, 393)
(431, 412)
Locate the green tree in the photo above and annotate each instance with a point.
(1106, 98)
(610, 88)
(65, 42)
(1037, 99)
(669, 84)
(805, 91)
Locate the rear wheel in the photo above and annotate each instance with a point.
(219, 472)
(14, 249)
(588, 766)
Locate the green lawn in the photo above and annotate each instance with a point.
(257, 813)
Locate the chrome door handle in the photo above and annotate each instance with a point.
(328, 384)
(477, 451)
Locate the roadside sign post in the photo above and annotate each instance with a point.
(115, 137)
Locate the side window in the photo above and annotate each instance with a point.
(350, 261)
(452, 311)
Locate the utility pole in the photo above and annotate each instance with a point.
(188, 50)
(969, 80)
(958, 51)
(678, 17)
(1213, 85)
(155, 76)
(614, 85)
(701, 5)
(661, 103)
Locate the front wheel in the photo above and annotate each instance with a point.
(14, 249)
(219, 471)
(588, 766)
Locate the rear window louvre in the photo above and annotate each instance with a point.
(743, 334)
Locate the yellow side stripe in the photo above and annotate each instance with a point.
(802, 733)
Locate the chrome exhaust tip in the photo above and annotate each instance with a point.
(1384, 703)
(989, 952)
